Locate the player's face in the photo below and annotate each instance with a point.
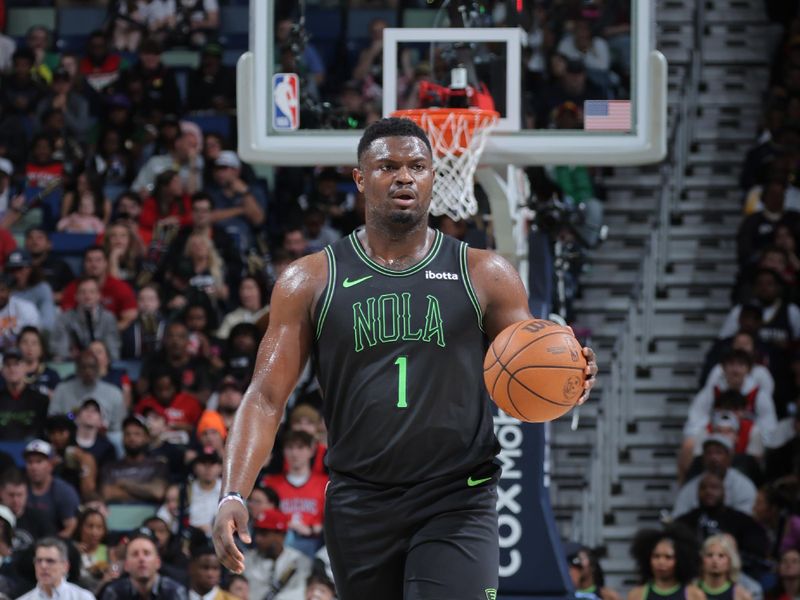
(396, 176)
(716, 561)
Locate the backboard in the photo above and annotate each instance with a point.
(316, 73)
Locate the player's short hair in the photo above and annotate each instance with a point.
(391, 127)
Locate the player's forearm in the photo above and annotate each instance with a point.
(250, 442)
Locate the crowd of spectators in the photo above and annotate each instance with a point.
(734, 529)
(124, 362)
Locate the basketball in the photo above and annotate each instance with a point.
(535, 370)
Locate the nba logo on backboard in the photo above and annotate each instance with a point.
(285, 101)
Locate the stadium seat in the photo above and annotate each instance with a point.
(132, 367)
(80, 20)
(234, 19)
(231, 56)
(71, 43)
(213, 123)
(234, 41)
(64, 369)
(181, 58)
(19, 20)
(14, 450)
(49, 203)
(418, 17)
(112, 191)
(71, 243)
(128, 516)
(323, 24)
(358, 21)
(70, 247)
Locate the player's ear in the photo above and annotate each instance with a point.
(358, 177)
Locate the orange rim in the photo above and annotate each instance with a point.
(428, 118)
(438, 115)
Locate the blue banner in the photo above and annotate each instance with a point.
(532, 564)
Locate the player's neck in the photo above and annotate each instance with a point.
(396, 248)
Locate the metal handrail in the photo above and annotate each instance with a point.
(637, 331)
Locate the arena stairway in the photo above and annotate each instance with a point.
(672, 304)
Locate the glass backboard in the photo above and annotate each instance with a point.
(580, 85)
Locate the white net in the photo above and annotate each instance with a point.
(458, 138)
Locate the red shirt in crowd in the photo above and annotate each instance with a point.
(39, 176)
(115, 295)
(307, 500)
(150, 216)
(102, 75)
(183, 411)
(7, 245)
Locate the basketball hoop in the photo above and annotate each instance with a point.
(458, 136)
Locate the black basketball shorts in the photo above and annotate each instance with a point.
(435, 540)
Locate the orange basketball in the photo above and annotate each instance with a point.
(535, 370)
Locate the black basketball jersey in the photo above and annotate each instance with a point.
(400, 362)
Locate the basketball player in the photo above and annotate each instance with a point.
(396, 316)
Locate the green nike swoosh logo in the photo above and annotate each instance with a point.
(473, 482)
(347, 283)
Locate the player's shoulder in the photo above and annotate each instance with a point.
(304, 274)
(489, 268)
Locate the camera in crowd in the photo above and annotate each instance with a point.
(579, 224)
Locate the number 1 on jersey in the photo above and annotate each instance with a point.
(401, 363)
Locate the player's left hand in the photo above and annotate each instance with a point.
(591, 371)
(591, 374)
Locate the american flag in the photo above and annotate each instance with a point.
(607, 115)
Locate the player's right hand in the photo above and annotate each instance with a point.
(231, 518)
